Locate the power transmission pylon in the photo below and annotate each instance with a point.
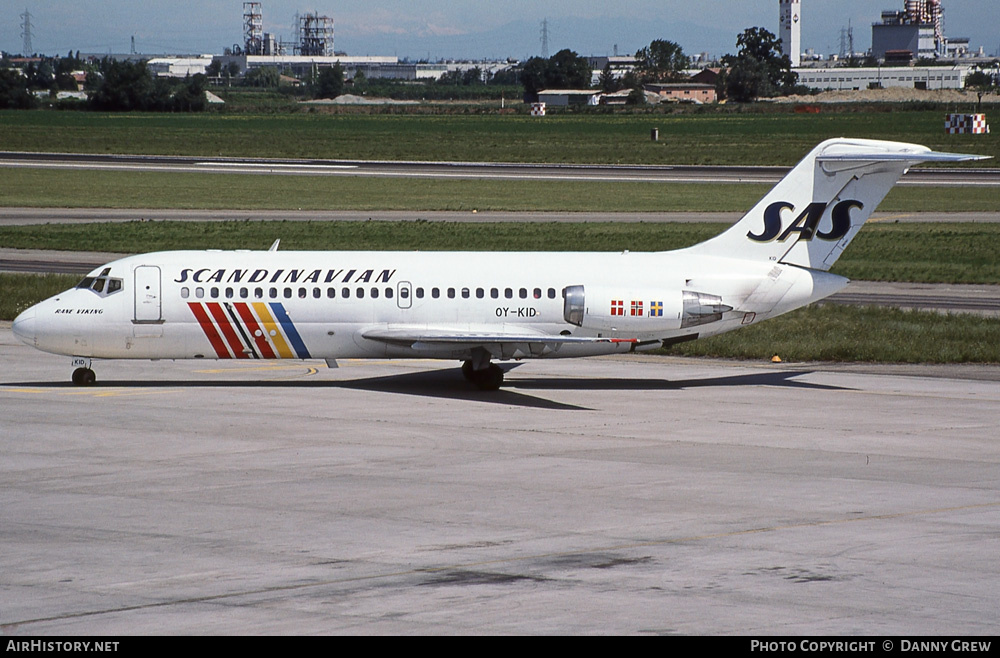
(26, 34)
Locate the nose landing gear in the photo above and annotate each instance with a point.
(84, 377)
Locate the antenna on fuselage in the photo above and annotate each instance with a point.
(274, 246)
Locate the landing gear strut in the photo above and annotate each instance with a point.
(84, 377)
(478, 370)
(488, 379)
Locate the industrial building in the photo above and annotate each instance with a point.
(912, 77)
(917, 29)
(312, 49)
(178, 67)
(901, 38)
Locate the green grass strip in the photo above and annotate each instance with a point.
(866, 334)
(714, 136)
(41, 188)
(23, 290)
(917, 252)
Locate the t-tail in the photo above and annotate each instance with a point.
(810, 217)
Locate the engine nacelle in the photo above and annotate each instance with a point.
(639, 310)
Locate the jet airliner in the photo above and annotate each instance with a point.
(478, 307)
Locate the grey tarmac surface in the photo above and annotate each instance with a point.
(920, 176)
(30, 216)
(634, 495)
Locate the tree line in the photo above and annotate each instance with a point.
(111, 85)
(757, 70)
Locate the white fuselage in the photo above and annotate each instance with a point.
(283, 304)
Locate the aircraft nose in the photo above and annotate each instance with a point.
(24, 326)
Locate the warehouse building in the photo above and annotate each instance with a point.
(928, 77)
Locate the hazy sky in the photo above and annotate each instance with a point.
(449, 28)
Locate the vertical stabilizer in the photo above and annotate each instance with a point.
(814, 212)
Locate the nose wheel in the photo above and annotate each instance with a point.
(84, 377)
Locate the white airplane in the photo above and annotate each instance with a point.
(475, 307)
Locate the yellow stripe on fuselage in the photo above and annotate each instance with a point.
(273, 331)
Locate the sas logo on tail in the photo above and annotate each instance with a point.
(805, 224)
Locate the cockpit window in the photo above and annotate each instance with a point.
(103, 285)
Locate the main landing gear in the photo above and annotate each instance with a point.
(488, 379)
(478, 370)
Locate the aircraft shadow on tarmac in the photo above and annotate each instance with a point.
(449, 384)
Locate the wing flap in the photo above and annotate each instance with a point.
(436, 339)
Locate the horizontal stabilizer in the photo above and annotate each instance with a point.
(927, 156)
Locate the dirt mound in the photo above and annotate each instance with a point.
(351, 99)
(891, 95)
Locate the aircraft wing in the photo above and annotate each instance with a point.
(437, 339)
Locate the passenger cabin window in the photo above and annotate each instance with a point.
(420, 293)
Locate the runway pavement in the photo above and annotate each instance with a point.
(33, 216)
(615, 495)
(922, 176)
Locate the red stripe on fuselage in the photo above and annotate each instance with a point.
(227, 330)
(206, 325)
(259, 337)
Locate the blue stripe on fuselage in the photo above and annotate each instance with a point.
(290, 331)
